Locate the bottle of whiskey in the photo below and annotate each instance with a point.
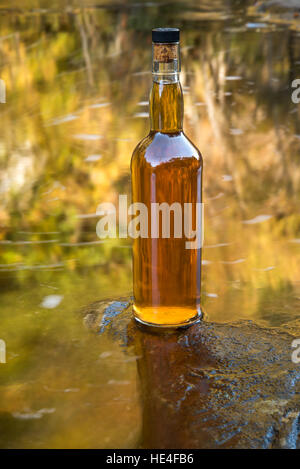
(166, 172)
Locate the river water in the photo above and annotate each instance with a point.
(77, 81)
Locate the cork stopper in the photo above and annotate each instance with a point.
(165, 52)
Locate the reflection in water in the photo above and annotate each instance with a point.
(164, 371)
(73, 101)
(77, 81)
(217, 386)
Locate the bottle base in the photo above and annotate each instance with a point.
(167, 317)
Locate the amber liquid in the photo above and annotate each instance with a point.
(166, 167)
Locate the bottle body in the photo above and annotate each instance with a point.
(166, 168)
(166, 175)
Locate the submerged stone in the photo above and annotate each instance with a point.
(213, 385)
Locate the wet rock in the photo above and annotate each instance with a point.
(213, 385)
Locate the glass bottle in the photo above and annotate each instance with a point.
(166, 168)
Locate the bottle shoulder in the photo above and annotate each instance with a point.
(142, 146)
(160, 147)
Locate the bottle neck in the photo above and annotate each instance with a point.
(166, 99)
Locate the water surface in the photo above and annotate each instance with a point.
(77, 82)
